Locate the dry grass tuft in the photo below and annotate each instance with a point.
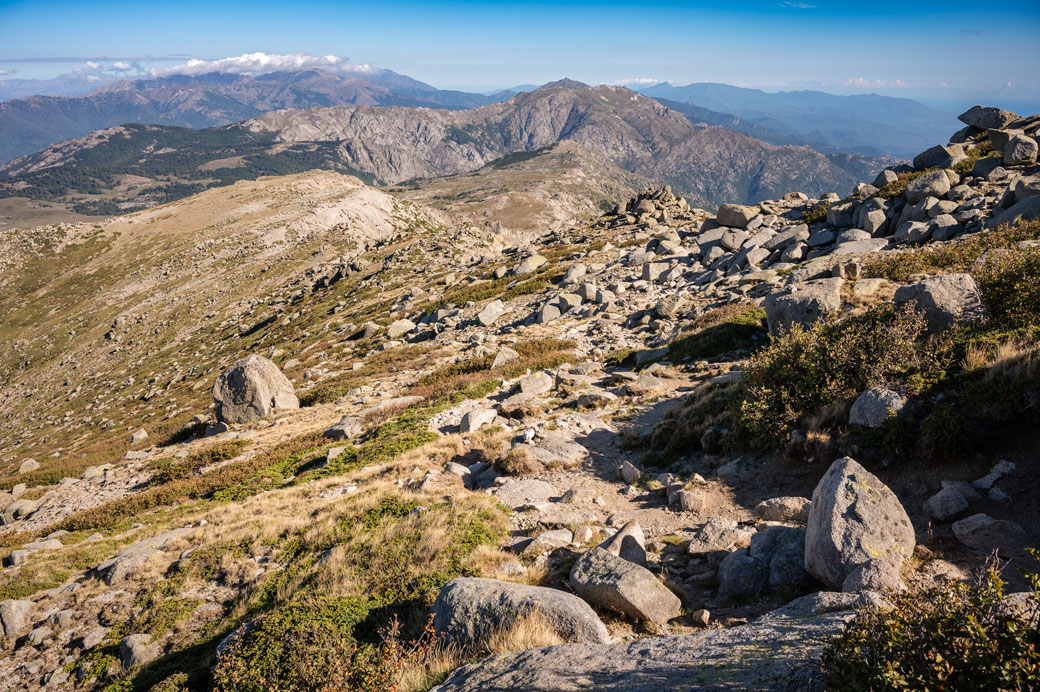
(517, 462)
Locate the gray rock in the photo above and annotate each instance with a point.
(611, 582)
(628, 543)
(939, 157)
(529, 265)
(945, 300)
(945, 504)
(137, 649)
(885, 177)
(874, 406)
(781, 549)
(505, 355)
(630, 473)
(933, 184)
(16, 617)
(548, 541)
(718, 534)
(983, 532)
(857, 247)
(558, 449)
(468, 610)
(124, 564)
(346, 428)
(28, 466)
(733, 240)
(476, 419)
(780, 651)
(802, 304)
(1026, 210)
(536, 383)
(986, 117)
(873, 575)
(1020, 150)
(853, 518)
(736, 215)
(783, 509)
(139, 436)
(519, 492)
(399, 328)
(252, 388)
(491, 312)
(742, 576)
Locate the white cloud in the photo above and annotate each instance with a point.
(93, 78)
(91, 65)
(260, 63)
(4, 73)
(861, 83)
(121, 66)
(638, 81)
(798, 5)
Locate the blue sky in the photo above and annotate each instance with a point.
(935, 51)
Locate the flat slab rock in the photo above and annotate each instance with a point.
(779, 651)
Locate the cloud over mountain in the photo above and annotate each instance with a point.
(259, 62)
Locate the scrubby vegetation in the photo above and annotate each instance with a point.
(720, 332)
(954, 636)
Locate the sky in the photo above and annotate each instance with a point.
(942, 53)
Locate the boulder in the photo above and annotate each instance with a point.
(779, 651)
(718, 534)
(932, 184)
(536, 383)
(945, 300)
(346, 428)
(854, 518)
(986, 117)
(139, 436)
(252, 388)
(16, 617)
(628, 543)
(505, 355)
(529, 265)
(399, 328)
(491, 312)
(1026, 210)
(736, 215)
(742, 576)
(137, 649)
(476, 419)
(28, 466)
(611, 582)
(1020, 150)
(781, 549)
(126, 562)
(983, 532)
(873, 575)
(630, 473)
(519, 492)
(468, 610)
(945, 504)
(874, 406)
(939, 157)
(783, 509)
(802, 304)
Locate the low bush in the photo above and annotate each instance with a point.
(817, 214)
(808, 369)
(954, 636)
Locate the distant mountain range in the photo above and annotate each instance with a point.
(209, 100)
(865, 124)
(869, 125)
(131, 166)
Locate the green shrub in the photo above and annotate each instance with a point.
(817, 214)
(955, 636)
(1010, 285)
(945, 433)
(898, 186)
(808, 369)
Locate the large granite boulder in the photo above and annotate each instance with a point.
(779, 652)
(854, 518)
(802, 304)
(945, 300)
(468, 610)
(616, 584)
(252, 388)
(874, 406)
(15, 617)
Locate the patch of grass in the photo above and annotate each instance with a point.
(731, 332)
(898, 186)
(168, 469)
(817, 214)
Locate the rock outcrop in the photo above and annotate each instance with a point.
(252, 388)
